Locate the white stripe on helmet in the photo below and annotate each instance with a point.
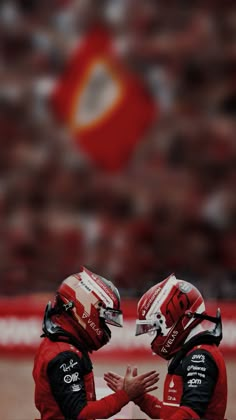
(90, 286)
(155, 307)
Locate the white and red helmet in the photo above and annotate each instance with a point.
(93, 302)
(165, 310)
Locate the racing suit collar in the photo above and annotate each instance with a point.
(205, 337)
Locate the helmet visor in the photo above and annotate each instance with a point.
(147, 326)
(111, 316)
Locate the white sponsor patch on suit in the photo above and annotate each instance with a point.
(71, 378)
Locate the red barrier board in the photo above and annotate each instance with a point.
(21, 320)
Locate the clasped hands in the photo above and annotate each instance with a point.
(135, 385)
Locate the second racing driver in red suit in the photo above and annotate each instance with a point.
(173, 311)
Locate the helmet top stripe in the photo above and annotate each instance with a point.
(155, 307)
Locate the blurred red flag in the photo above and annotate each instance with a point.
(106, 107)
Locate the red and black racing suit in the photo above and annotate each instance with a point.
(64, 384)
(195, 387)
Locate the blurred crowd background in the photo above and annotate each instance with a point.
(173, 207)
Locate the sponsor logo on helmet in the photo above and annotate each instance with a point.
(169, 342)
(90, 283)
(185, 287)
(149, 301)
(86, 286)
(85, 315)
(94, 327)
(108, 288)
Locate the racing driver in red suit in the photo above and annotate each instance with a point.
(72, 328)
(173, 311)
